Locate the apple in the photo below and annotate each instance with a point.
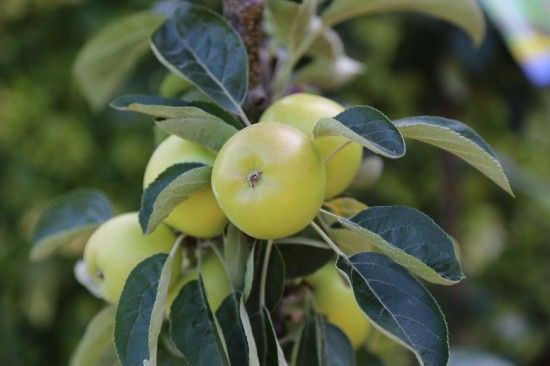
(269, 179)
(199, 215)
(334, 299)
(303, 111)
(216, 283)
(117, 246)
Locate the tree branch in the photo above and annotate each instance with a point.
(246, 17)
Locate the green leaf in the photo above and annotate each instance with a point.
(97, 342)
(193, 327)
(366, 126)
(398, 305)
(294, 255)
(322, 343)
(329, 74)
(231, 316)
(289, 23)
(459, 139)
(465, 14)
(171, 187)
(180, 118)
(107, 59)
(140, 309)
(269, 349)
(70, 217)
(236, 251)
(200, 45)
(275, 280)
(410, 238)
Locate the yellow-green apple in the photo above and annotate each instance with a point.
(199, 215)
(269, 179)
(303, 111)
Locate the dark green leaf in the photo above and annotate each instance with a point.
(97, 342)
(398, 305)
(410, 238)
(107, 59)
(458, 139)
(275, 280)
(69, 217)
(366, 126)
(322, 343)
(269, 349)
(170, 188)
(135, 311)
(294, 256)
(200, 45)
(229, 317)
(193, 327)
(465, 14)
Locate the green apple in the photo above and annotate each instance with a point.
(199, 215)
(216, 282)
(119, 245)
(269, 179)
(303, 111)
(335, 300)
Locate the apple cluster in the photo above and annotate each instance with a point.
(269, 180)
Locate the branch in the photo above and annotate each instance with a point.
(246, 17)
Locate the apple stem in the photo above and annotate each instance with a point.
(265, 266)
(336, 151)
(327, 239)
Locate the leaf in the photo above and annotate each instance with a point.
(200, 45)
(181, 118)
(398, 305)
(171, 187)
(366, 126)
(269, 349)
(465, 14)
(345, 206)
(410, 238)
(229, 317)
(294, 255)
(193, 327)
(459, 139)
(329, 74)
(69, 217)
(275, 280)
(97, 342)
(322, 343)
(107, 59)
(236, 251)
(140, 309)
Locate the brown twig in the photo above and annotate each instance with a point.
(246, 17)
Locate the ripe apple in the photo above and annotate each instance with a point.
(215, 280)
(269, 180)
(334, 299)
(303, 111)
(199, 215)
(119, 245)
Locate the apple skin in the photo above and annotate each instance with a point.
(269, 180)
(335, 300)
(215, 282)
(199, 215)
(303, 111)
(117, 246)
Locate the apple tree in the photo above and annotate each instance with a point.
(245, 249)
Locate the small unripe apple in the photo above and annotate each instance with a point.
(335, 300)
(199, 215)
(119, 245)
(216, 283)
(303, 111)
(269, 180)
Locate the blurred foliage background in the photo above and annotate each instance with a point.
(51, 142)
